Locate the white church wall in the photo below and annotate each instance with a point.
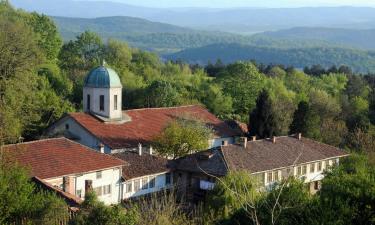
(84, 137)
(95, 94)
(115, 113)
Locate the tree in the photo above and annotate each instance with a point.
(262, 118)
(19, 199)
(49, 39)
(243, 82)
(235, 191)
(300, 117)
(94, 212)
(182, 137)
(347, 195)
(161, 94)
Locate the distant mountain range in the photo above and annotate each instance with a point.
(164, 38)
(360, 61)
(241, 20)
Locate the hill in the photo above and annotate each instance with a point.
(161, 37)
(360, 61)
(240, 20)
(364, 39)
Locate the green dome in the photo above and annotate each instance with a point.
(102, 77)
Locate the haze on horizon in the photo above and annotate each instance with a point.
(244, 3)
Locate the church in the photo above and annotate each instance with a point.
(104, 126)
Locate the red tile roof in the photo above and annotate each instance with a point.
(57, 157)
(263, 155)
(141, 165)
(146, 123)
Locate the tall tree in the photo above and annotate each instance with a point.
(262, 119)
(300, 117)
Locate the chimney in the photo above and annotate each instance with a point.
(273, 139)
(225, 143)
(254, 138)
(244, 141)
(88, 186)
(299, 136)
(140, 149)
(101, 147)
(68, 185)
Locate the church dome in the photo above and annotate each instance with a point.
(102, 77)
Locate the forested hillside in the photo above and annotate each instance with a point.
(364, 39)
(162, 37)
(360, 61)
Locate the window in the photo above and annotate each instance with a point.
(98, 191)
(106, 189)
(144, 183)
(316, 185)
(101, 105)
(99, 175)
(67, 126)
(88, 102)
(167, 178)
(312, 168)
(276, 175)
(299, 170)
(152, 182)
(304, 169)
(137, 185)
(115, 102)
(269, 177)
(129, 187)
(327, 164)
(79, 193)
(319, 166)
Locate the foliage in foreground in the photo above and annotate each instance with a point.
(346, 197)
(20, 199)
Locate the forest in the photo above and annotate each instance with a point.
(41, 78)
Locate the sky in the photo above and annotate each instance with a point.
(244, 3)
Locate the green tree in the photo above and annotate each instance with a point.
(262, 118)
(181, 137)
(49, 40)
(161, 94)
(235, 191)
(94, 212)
(300, 117)
(348, 193)
(243, 82)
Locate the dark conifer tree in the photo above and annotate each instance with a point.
(299, 124)
(262, 119)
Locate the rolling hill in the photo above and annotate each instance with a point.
(364, 39)
(360, 61)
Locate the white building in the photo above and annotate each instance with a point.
(268, 160)
(104, 124)
(144, 174)
(71, 168)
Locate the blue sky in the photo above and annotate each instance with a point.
(246, 3)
